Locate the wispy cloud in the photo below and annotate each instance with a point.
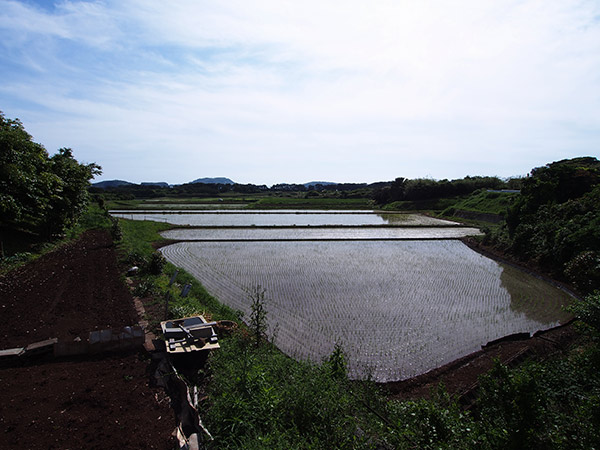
(270, 91)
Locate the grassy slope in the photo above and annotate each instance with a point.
(486, 202)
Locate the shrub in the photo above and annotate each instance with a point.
(337, 363)
(144, 288)
(136, 259)
(258, 315)
(156, 264)
(584, 271)
(115, 230)
(588, 311)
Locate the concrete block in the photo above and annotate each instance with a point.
(11, 353)
(94, 337)
(105, 335)
(41, 347)
(70, 348)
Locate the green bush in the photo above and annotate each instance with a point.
(588, 311)
(261, 398)
(433, 424)
(584, 270)
(155, 264)
(144, 288)
(552, 405)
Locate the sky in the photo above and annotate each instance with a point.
(285, 91)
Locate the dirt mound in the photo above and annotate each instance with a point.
(94, 402)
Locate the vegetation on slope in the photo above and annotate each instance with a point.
(555, 222)
(484, 201)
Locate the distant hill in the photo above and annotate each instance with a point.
(220, 180)
(157, 183)
(322, 183)
(111, 184)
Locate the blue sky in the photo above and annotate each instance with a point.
(284, 91)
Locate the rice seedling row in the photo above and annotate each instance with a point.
(398, 308)
(273, 234)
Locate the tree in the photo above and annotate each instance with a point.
(39, 193)
(70, 195)
(24, 177)
(555, 222)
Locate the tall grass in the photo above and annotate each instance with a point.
(141, 236)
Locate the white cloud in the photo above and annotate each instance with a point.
(366, 90)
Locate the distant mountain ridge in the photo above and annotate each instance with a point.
(111, 184)
(116, 183)
(215, 180)
(218, 180)
(155, 183)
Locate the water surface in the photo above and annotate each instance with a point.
(311, 233)
(282, 218)
(398, 308)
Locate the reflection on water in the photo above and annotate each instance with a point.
(399, 308)
(536, 298)
(314, 233)
(281, 218)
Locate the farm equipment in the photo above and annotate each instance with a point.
(189, 334)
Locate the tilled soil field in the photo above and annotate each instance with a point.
(65, 294)
(100, 402)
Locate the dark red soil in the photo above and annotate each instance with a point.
(100, 402)
(93, 404)
(66, 293)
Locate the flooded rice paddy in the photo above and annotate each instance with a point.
(398, 308)
(313, 234)
(397, 291)
(224, 218)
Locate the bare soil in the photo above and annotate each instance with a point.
(101, 402)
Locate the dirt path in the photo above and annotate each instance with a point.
(99, 402)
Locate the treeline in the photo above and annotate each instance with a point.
(403, 189)
(555, 222)
(146, 191)
(39, 193)
(384, 192)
